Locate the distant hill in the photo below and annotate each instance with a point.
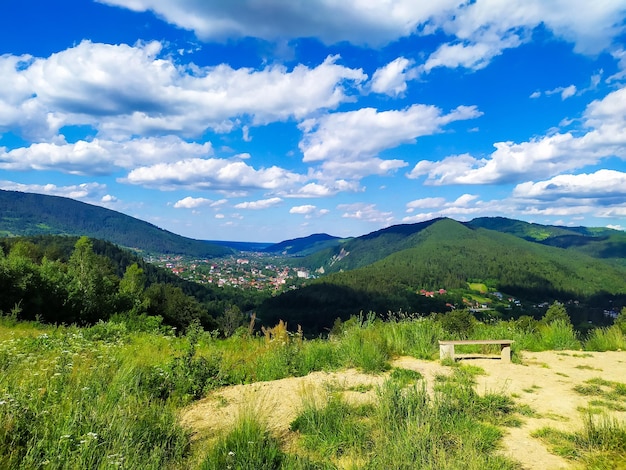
(385, 271)
(242, 246)
(598, 242)
(304, 246)
(353, 253)
(27, 214)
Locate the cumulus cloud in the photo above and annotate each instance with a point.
(391, 79)
(609, 185)
(213, 173)
(347, 143)
(88, 192)
(258, 205)
(565, 92)
(305, 209)
(85, 85)
(540, 157)
(99, 157)
(192, 202)
(471, 56)
(461, 208)
(366, 212)
(487, 24)
(350, 20)
(484, 28)
(308, 211)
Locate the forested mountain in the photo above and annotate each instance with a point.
(304, 246)
(24, 214)
(442, 254)
(597, 242)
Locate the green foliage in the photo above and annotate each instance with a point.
(27, 214)
(558, 335)
(405, 428)
(79, 404)
(556, 312)
(334, 428)
(620, 321)
(600, 444)
(606, 339)
(458, 323)
(230, 320)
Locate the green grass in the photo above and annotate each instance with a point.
(601, 444)
(110, 396)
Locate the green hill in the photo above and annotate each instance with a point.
(361, 251)
(443, 254)
(27, 214)
(305, 245)
(597, 242)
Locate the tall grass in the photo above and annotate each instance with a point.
(606, 339)
(406, 428)
(600, 444)
(109, 395)
(70, 402)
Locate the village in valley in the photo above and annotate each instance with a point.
(252, 271)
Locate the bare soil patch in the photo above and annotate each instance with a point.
(545, 382)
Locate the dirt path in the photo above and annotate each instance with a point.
(545, 381)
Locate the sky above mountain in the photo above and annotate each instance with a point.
(264, 120)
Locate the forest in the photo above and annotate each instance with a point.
(72, 280)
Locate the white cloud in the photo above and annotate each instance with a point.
(305, 209)
(85, 85)
(98, 156)
(539, 157)
(308, 211)
(603, 184)
(348, 142)
(425, 203)
(565, 92)
(464, 205)
(261, 204)
(365, 212)
(568, 92)
(192, 202)
(88, 192)
(391, 79)
(490, 23)
(213, 173)
(357, 21)
(471, 56)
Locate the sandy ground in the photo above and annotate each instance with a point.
(545, 381)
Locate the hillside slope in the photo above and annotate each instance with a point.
(26, 214)
(443, 254)
(598, 242)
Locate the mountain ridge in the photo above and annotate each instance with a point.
(25, 214)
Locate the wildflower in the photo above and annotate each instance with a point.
(231, 454)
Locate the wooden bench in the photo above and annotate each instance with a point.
(446, 348)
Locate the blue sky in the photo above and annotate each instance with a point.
(263, 120)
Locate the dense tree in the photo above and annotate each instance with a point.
(556, 312)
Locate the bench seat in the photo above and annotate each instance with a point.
(446, 347)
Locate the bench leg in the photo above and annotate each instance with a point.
(446, 350)
(505, 352)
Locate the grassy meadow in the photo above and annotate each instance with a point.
(110, 396)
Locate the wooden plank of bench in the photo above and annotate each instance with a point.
(446, 347)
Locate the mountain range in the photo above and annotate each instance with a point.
(26, 214)
(382, 271)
